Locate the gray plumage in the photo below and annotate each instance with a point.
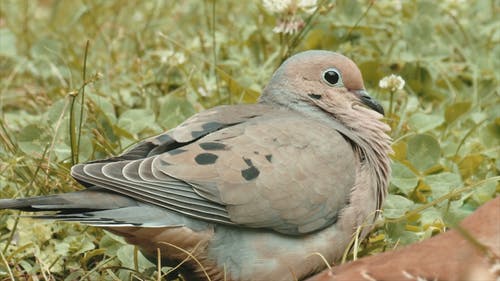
(250, 190)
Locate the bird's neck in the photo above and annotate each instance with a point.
(369, 136)
(362, 126)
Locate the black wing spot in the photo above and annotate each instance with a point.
(207, 128)
(251, 172)
(211, 126)
(164, 138)
(269, 158)
(206, 158)
(213, 146)
(176, 151)
(248, 161)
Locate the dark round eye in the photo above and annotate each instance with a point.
(332, 77)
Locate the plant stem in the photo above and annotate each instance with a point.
(390, 103)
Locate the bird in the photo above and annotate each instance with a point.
(249, 191)
(469, 252)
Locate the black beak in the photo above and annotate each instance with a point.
(367, 100)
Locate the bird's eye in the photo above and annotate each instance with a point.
(332, 77)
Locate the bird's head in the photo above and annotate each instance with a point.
(323, 80)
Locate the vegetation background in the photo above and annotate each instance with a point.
(151, 64)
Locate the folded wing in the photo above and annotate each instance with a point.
(247, 165)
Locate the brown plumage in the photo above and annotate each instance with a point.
(251, 190)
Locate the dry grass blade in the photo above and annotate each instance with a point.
(327, 264)
(190, 255)
(7, 266)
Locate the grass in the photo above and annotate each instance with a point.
(86, 79)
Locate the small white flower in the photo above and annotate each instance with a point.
(308, 6)
(290, 6)
(455, 2)
(290, 22)
(398, 4)
(276, 6)
(203, 92)
(392, 82)
(454, 6)
(290, 26)
(169, 56)
(178, 58)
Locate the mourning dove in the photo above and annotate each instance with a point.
(251, 191)
(471, 252)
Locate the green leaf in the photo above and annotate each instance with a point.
(430, 216)
(396, 206)
(112, 243)
(105, 106)
(174, 110)
(126, 256)
(484, 192)
(46, 47)
(421, 122)
(82, 244)
(403, 178)
(423, 151)
(456, 211)
(55, 111)
(490, 137)
(135, 121)
(470, 164)
(456, 110)
(7, 43)
(33, 140)
(85, 149)
(350, 9)
(443, 183)
(478, 117)
(409, 237)
(75, 275)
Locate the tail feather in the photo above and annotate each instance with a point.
(91, 199)
(98, 207)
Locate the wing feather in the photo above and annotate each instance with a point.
(241, 165)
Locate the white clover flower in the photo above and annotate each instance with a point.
(276, 6)
(455, 2)
(178, 58)
(290, 21)
(290, 6)
(308, 6)
(392, 82)
(203, 92)
(291, 26)
(454, 6)
(169, 56)
(398, 4)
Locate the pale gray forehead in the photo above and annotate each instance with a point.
(311, 64)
